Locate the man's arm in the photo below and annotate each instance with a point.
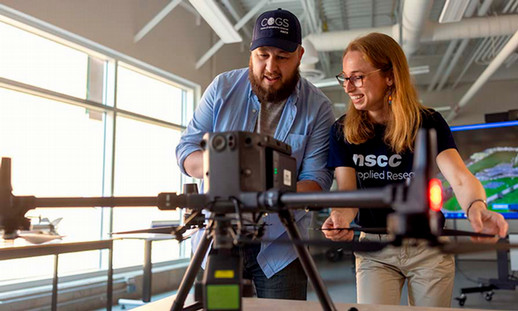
(188, 150)
(193, 164)
(314, 162)
(308, 186)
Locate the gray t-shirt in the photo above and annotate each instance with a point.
(269, 117)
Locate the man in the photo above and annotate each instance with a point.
(269, 97)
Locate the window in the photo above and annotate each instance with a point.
(69, 133)
(34, 60)
(54, 152)
(149, 96)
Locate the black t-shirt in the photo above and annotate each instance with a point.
(377, 165)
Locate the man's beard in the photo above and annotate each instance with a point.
(266, 95)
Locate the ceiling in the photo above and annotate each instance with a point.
(480, 46)
(441, 55)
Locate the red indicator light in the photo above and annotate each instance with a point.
(435, 194)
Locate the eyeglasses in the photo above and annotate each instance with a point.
(357, 80)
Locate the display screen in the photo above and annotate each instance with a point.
(490, 151)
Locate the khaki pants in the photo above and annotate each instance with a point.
(380, 276)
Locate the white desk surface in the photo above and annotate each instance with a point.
(256, 304)
(144, 236)
(19, 248)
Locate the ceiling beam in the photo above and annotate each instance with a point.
(236, 14)
(237, 26)
(155, 20)
(507, 50)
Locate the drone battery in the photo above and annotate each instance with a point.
(245, 162)
(222, 280)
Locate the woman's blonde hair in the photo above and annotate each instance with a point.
(384, 53)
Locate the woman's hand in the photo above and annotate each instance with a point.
(486, 221)
(336, 226)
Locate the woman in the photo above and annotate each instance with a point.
(372, 146)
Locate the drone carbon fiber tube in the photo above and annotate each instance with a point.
(96, 201)
(373, 198)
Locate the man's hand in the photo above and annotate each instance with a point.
(485, 221)
(334, 224)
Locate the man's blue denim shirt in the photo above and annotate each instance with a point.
(229, 104)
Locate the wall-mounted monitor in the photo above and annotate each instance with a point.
(490, 151)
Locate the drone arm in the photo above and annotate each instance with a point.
(372, 198)
(94, 201)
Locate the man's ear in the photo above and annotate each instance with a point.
(301, 52)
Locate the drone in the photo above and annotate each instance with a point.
(263, 176)
(42, 230)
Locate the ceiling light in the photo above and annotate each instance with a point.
(217, 20)
(419, 70)
(442, 108)
(453, 11)
(331, 82)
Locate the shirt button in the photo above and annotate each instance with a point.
(254, 110)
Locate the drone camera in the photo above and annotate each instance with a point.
(263, 163)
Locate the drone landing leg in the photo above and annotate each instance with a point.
(307, 261)
(190, 275)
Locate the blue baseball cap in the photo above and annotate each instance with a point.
(278, 28)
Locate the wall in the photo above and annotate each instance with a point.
(494, 96)
(174, 45)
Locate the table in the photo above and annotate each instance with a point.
(257, 304)
(148, 239)
(60, 247)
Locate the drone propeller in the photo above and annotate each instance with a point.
(367, 246)
(372, 246)
(469, 247)
(445, 232)
(160, 230)
(452, 232)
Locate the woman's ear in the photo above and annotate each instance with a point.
(389, 80)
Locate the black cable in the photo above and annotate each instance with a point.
(237, 205)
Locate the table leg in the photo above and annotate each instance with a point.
(109, 287)
(146, 277)
(54, 306)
